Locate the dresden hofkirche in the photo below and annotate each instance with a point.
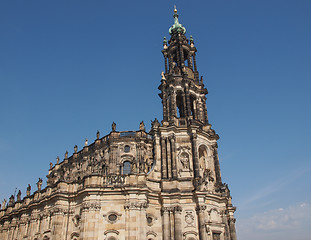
(137, 185)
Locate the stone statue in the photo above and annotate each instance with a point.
(86, 142)
(155, 123)
(184, 159)
(57, 160)
(28, 190)
(66, 155)
(75, 148)
(39, 184)
(51, 165)
(3, 203)
(142, 126)
(19, 195)
(97, 134)
(11, 201)
(114, 126)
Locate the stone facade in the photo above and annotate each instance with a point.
(134, 185)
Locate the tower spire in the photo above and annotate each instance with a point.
(177, 27)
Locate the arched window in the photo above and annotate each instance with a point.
(127, 167)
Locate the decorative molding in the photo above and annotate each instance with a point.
(201, 208)
(91, 206)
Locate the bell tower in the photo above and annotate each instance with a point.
(182, 92)
(195, 203)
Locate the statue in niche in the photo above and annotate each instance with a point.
(114, 126)
(184, 159)
(142, 126)
(133, 167)
(3, 203)
(19, 195)
(39, 184)
(28, 190)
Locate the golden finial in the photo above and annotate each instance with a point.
(175, 9)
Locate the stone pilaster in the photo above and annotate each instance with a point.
(58, 220)
(174, 105)
(163, 151)
(89, 220)
(195, 155)
(164, 104)
(216, 164)
(188, 104)
(201, 219)
(173, 154)
(168, 158)
(232, 228)
(166, 223)
(177, 223)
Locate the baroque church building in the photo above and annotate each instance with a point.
(137, 185)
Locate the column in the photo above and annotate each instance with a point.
(168, 158)
(195, 155)
(194, 63)
(190, 65)
(164, 104)
(216, 164)
(173, 153)
(205, 111)
(163, 150)
(202, 230)
(57, 226)
(188, 105)
(232, 229)
(184, 104)
(177, 223)
(166, 224)
(174, 106)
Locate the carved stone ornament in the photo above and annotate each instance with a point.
(201, 208)
(135, 205)
(91, 206)
(150, 219)
(189, 219)
(112, 217)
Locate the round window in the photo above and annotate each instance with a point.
(149, 220)
(112, 217)
(127, 148)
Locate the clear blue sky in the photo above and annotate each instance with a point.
(70, 68)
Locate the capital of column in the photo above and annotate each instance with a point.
(200, 208)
